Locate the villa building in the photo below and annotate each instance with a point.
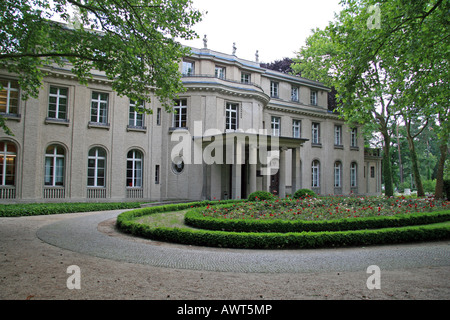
(238, 128)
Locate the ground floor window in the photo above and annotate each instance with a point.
(97, 167)
(134, 169)
(54, 166)
(8, 155)
(315, 169)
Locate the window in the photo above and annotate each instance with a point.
(97, 167)
(9, 96)
(245, 78)
(99, 107)
(157, 174)
(220, 72)
(313, 98)
(315, 134)
(274, 89)
(231, 116)
(337, 174)
(337, 135)
(134, 169)
(187, 68)
(54, 166)
(372, 172)
(57, 103)
(276, 126)
(178, 165)
(136, 118)
(8, 155)
(296, 128)
(294, 94)
(354, 138)
(180, 114)
(353, 174)
(315, 169)
(158, 116)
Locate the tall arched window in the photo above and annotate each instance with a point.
(353, 174)
(97, 167)
(134, 169)
(315, 169)
(337, 174)
(54, 166)
(8, 155)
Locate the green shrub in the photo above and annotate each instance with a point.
(303, 193)
(260, 195)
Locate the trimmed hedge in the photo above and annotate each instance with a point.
(35, 209)
(263, 240)
(195, 218)
(260, 195)
(303, 193)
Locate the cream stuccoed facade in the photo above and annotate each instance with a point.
(237, 128)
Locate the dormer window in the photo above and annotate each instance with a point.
(313, 98)
(245, 78)
(220, 72)
(188, 68)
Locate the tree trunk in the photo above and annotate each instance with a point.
(387, 172)
(439, 191)
(415, 167)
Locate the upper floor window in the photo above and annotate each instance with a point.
(136, 117)
(158, 116)
(315, 133)
(313, 98)
(188, 68)
(245, 77)
(9, 96)
(57, 103)
(54, 166)
(294, 94)
(296, 128)
(180, 114)
(274, 89)
(354, 137)
(99, 107)
(337, 135)
(8, 155)
(231, 116)
(276, 126)
(220, 72)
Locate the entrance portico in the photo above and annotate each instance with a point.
(239, 163)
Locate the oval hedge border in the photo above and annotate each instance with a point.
(276, 240)
(195, 218)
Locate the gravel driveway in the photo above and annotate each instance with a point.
(35, 253)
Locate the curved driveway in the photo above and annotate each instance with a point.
(81, 234)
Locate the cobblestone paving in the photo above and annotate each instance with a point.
(82, 235)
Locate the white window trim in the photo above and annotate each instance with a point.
(58, 96)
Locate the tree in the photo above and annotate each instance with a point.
(384, 59)
(133, 42)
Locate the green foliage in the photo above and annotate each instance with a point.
(407, 228)
(17, 210)
(303, 193)
(260, 195)
(132, 42)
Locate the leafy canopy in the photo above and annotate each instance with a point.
(133, 42)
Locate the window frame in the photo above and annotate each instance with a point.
(315, 138)
(6, 156)
(353, 175)
(313, 97)
(315, 174)
(134, 115)
(274, 89)
(275, 121)
(185, 70)
(296, 124)
(58, 96)
(338, 135)
(180, 111)
(337, 170)
(220, 72)
(136, 180)
(8, 97)
(229, 113)
(295, 93)
(97, 168)
(54, 156)
(100, 119)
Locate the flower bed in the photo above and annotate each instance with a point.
(412, 227)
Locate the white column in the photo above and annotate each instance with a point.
(296, 170)
(252, 167)
(282, 165)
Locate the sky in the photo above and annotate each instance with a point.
(276, 28)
